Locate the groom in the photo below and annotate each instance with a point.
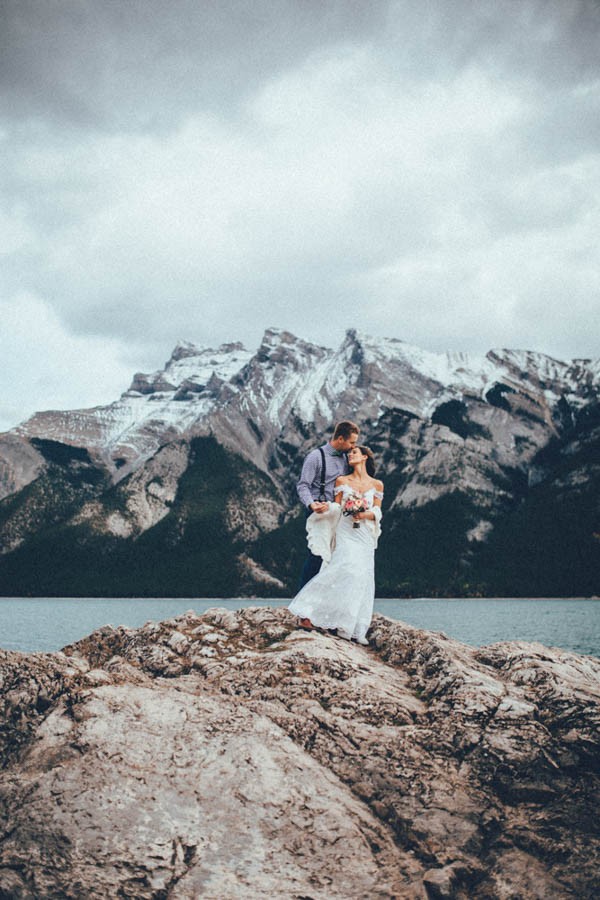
(316, 487)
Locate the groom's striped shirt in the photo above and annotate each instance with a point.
(309, 485)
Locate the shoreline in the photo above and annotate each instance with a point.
(266, 600)
(46, 624)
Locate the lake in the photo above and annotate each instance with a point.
(47, 624)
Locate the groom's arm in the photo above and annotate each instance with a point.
(307, 478)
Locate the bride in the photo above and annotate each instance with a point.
(340, 597)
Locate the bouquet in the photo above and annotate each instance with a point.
(352, 505)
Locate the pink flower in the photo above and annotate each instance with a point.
(353, 505)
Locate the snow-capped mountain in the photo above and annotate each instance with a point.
(441, 424)
(248, 399)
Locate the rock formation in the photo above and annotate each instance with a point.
(498, 451)
(230, 755)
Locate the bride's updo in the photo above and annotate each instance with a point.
(370, 463)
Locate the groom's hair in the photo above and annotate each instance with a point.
(344, 430)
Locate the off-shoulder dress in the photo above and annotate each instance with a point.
(341, 595)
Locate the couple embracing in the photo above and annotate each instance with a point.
(343, 503)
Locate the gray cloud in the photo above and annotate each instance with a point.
(428, 171)
(141, 64)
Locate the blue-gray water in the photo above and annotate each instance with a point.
(34, 624)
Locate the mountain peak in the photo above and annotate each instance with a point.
(273, 337)
(356, 337)
(183, 350)
(188, 350)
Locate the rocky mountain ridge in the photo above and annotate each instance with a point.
(230, 755)
(462, 438)
(201, 389)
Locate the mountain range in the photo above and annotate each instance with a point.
(185, 485)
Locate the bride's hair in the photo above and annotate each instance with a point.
(370, 463)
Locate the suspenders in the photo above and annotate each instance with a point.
(323, 472)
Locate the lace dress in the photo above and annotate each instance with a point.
(341, 595)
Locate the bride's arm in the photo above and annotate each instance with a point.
(369, 513)
(378, 496)
(339, 483)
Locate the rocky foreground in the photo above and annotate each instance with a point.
(229, 755)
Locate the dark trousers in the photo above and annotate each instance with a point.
(312, 565)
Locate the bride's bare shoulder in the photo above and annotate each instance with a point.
(340, 480)
(378, 485)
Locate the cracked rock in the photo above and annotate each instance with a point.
(294, 764)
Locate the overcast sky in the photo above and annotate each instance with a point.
(203, 169)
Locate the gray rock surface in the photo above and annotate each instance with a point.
(231, 755)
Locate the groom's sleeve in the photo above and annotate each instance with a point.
(307, 477)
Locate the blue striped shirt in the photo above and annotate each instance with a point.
(309, 485)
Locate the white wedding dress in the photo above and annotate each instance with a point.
(341, 594)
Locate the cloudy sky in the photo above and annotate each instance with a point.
(203, 169)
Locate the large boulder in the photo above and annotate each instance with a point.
(230, 755)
